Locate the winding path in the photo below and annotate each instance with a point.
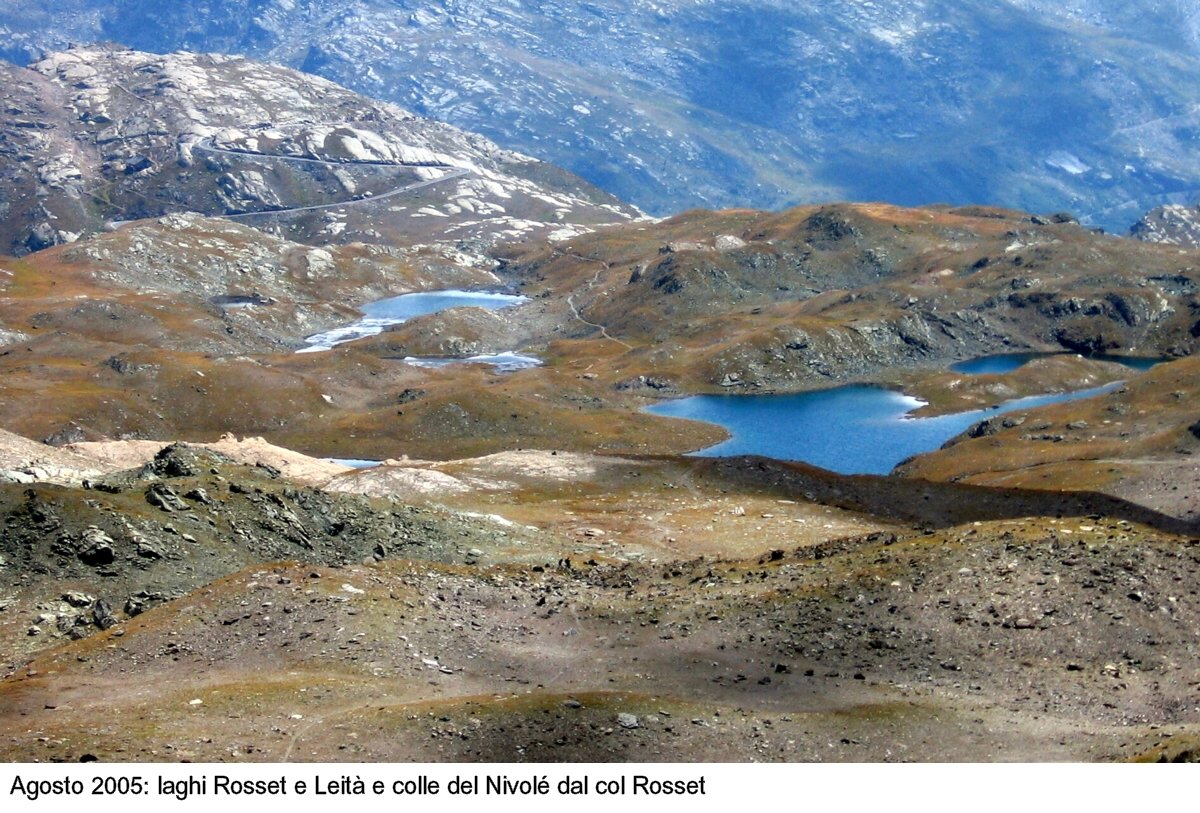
(592, 284)
(206, 145)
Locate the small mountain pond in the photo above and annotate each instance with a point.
(378, 316)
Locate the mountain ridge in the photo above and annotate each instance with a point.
(97, 134)
(677, 104)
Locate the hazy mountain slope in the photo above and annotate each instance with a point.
(1172, 23)
(1088, 105)
(98, 134)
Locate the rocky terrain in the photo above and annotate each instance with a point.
(737, 300)
(193, 535)
(932, 647)
(97, 135)
(1174, 224)
(1138, 442)
(242, 602)
(87, 557)
(138, 328)
(766, 103)
(719, 618)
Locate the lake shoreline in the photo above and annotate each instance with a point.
(849, 429)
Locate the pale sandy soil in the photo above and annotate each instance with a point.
(22, 456)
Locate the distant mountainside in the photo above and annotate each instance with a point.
(99, 134)
(1087, 105)
(1174, 224)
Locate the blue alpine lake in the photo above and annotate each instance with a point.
(858, 429)
(1008, 362)
(398, 309)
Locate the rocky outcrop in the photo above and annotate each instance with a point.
(825, 294)
(1172, 224)
(129, 541)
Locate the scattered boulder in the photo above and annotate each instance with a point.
(163, 496)
(198, 495)
(78, 599)
(71, 433)
(102, 614)
(121, 365)
(828, 227)
(98, 548)
(41, 236)
(646, 382)
(1087, 341)
(146, 550)
(982, 429)
(178, 460)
